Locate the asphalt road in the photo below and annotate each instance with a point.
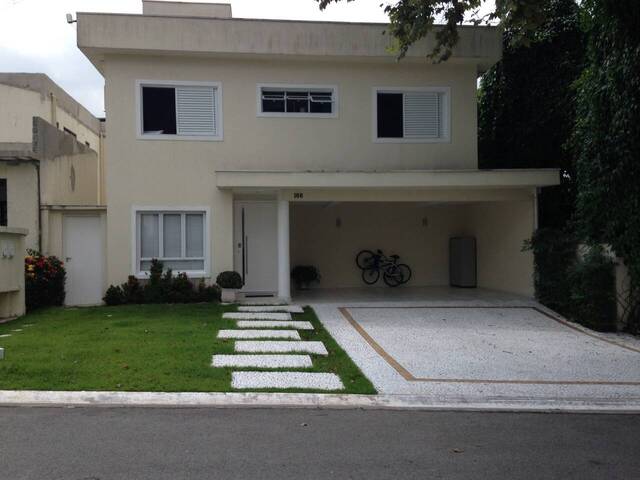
(153, 443)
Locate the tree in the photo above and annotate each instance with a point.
(412, 20)
(607, 137)
(526, 106)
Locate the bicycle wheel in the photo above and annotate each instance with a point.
(370, 276)
(396, 275)
(365, 259)
(406, 272)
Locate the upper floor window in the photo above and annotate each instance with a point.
(3, 202)
(418, 115)
(180, 110)
(276, 100)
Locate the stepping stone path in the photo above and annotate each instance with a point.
(288, 334)
(257, 323)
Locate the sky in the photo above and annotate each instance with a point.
(35, 37)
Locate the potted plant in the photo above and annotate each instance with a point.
(229, 283)
(304, 276)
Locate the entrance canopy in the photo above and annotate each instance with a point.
(406, 185)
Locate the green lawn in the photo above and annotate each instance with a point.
(138, 348)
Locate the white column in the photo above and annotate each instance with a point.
(284, 282)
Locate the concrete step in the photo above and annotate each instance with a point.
(306, 380)
(290, 334)
(274, 324)
(258, 346)
(272, 308)
(257, 316)
(262, 361)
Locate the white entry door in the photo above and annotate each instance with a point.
(256, 246)
(84, 259)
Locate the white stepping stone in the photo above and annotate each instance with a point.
(306, 380)
(5, 335)
(257, 316)
(291, 334)
(262, 361)
(17, 330)
(258, 346)
(274, 324)
(272, 308)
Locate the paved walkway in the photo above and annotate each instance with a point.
(267, 338)
(477, 344)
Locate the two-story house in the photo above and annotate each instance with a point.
(258, 145)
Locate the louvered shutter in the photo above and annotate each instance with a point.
(196, 111)
(422, 115)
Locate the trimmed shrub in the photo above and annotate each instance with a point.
(44, 280)
(229, 279)
(161, 287)
(304, 275)
(114, 296)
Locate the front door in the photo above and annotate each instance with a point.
(84, 259)
(256, 246)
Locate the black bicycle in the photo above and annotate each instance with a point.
(373, 264)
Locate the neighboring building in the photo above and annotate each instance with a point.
(257, 145)
(51, 177)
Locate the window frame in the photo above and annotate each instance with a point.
(446, 114)
(136, 258)
(175, 136)
(301, 87)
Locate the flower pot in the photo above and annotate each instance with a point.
(228, 295)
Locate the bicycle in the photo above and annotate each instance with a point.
(371, 264)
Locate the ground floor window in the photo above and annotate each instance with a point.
(177, 238)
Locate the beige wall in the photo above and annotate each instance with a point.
(395, 228)
(19, 106)
(22, 199)
(499, 227)
(254, 143)
(11, 272)
(500, 230)
(182, 173)
(70, 179)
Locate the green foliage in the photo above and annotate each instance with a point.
(161, 287)
(44, 280)
(593, 291)
(114, 296)
(582, 288)
(412, 20)
(526, 106)
(304, 275)
(554, 253)
(229, 279)
(607, 137)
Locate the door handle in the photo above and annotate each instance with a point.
(246, 255)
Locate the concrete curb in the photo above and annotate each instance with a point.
(316, 400)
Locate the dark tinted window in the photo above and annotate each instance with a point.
(321, 102)
(297, 102)
(159, 110)
(272, 101)
(3, 202)
(390, 115)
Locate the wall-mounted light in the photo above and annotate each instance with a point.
(338, 222)
(425, 222)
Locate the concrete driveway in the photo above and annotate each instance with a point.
(471, 344)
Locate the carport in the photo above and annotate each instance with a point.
(324, 218)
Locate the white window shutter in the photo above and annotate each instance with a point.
(422, 115)
(196, 111)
